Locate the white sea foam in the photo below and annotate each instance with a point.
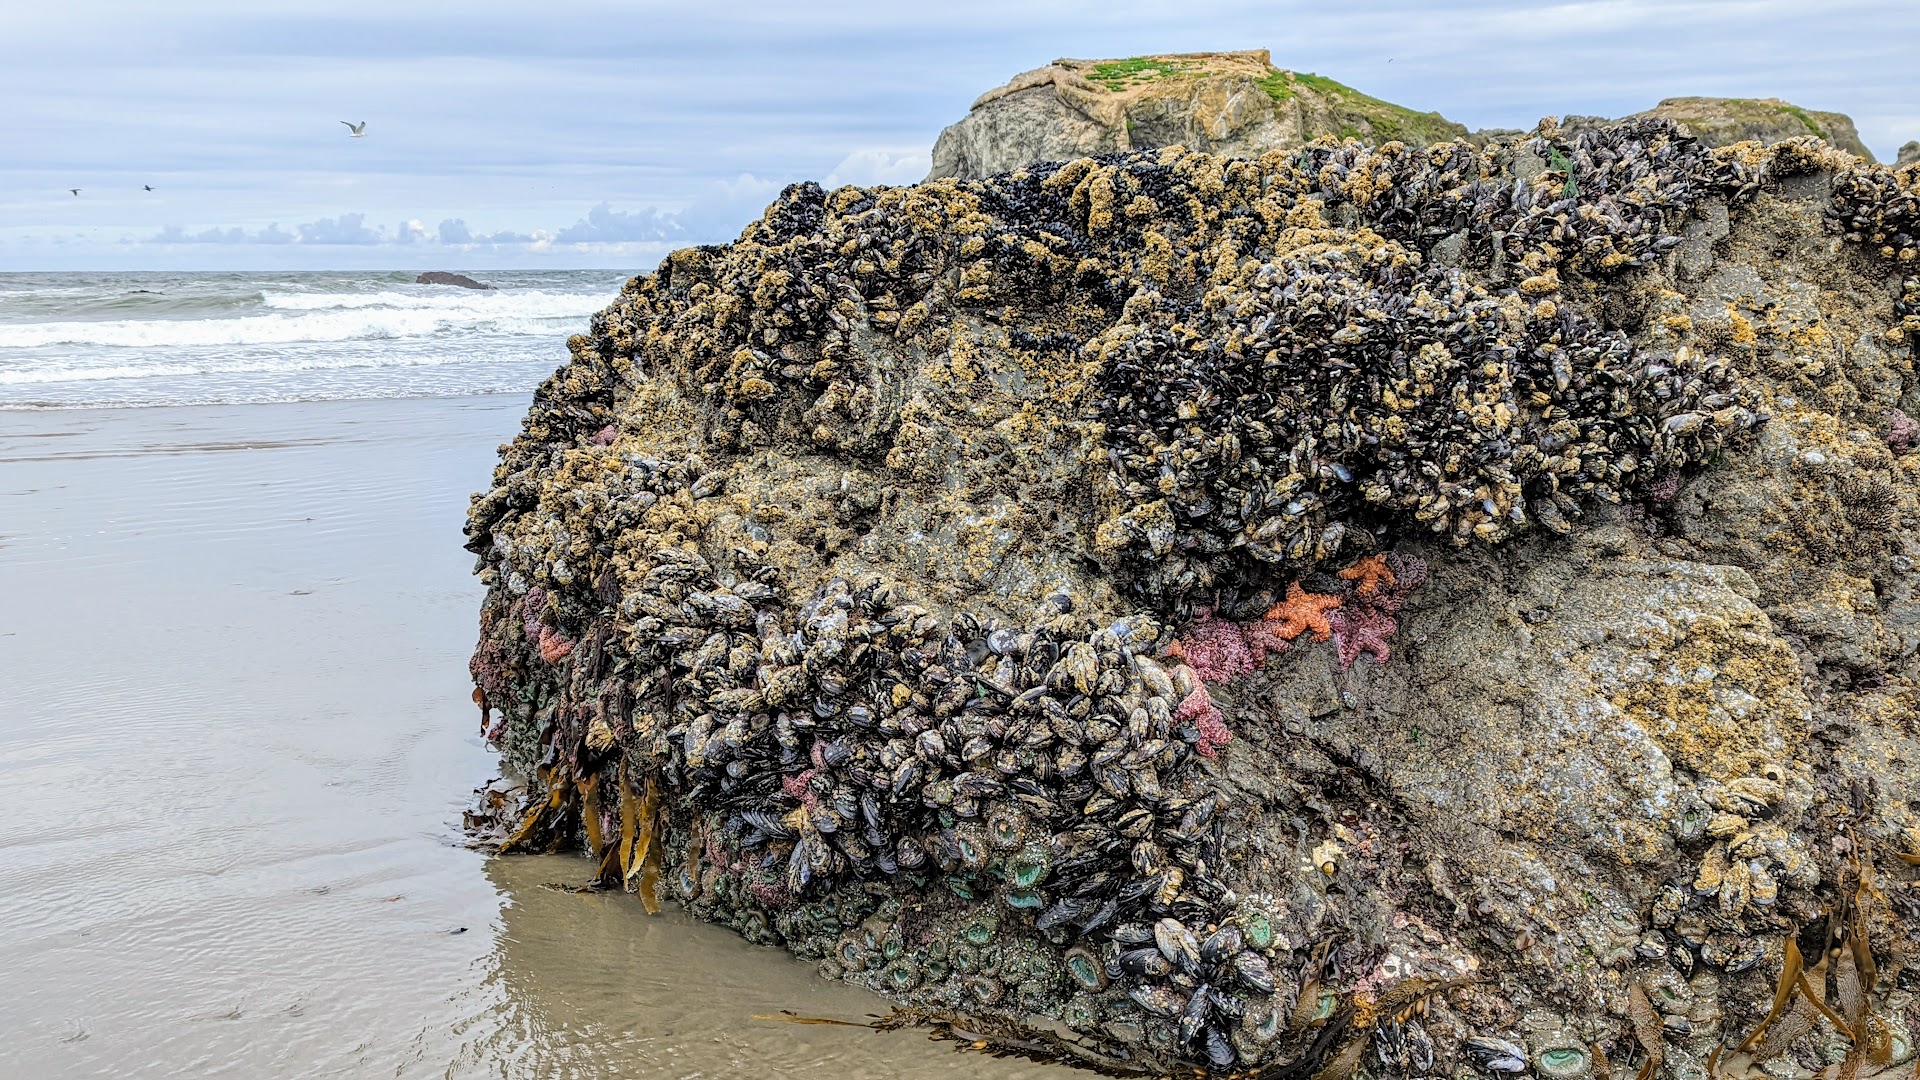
(125, 340)
(246, 364)
(531, 304)
(347, 324)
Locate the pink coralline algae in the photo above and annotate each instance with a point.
(531, 605)
(770, 889)
(605, 436)
(491, 665)
(1664, 488)
(1903, 431)
(796, 788)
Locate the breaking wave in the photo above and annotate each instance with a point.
(361, 317)
(108, 339)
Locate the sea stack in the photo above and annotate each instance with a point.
(442, 277)
(1235, 104)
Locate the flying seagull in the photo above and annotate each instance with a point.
(149, 187)
(359, 130)
(75, 190)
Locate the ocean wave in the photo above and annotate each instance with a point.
(531, 303)
(258, 364)
(346, 324)
(131, 340)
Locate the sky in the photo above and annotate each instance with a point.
(568, 134)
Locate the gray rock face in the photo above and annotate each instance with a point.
(1034, 123)
(1909, 152)
(1050, 595)
(442, 277)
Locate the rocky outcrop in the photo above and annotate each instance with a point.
(1235, 104)
(1428, 610)
(442, 277)
(1909, 152)
(1724, 121)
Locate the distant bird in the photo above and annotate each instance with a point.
(75, 190)
(149, 187)
(359, 130)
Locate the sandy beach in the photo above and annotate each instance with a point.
(235, 713)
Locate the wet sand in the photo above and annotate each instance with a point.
(234, 719)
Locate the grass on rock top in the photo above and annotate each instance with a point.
(1120, 74)
(1762, 111)
(1800, 114)
(1358, 115)
(1387, 120)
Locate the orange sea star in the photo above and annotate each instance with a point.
(1302, 611)
(1370, 573)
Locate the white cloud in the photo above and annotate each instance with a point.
(725, 208)
(453, 232)
(866, 168)
(345, 229)
(604, 224)
(176, 234)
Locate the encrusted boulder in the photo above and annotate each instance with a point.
(1413, 609)
(1235, 104)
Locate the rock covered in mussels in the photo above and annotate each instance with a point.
(1111, 592)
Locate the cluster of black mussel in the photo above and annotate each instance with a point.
(1041, 770)
(1327, 400)
(1879, 208)
(1350, 384)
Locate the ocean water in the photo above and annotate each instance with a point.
(141, 339)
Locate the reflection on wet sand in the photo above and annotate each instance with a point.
(589, 984)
